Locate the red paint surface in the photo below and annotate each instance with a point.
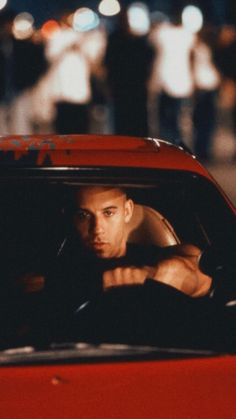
(101, 150)
(104, 150)
(185, 389)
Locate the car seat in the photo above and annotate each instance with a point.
(148, 226)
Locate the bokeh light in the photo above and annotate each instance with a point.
(49, 28)
(192, 18)
(2, 4)
(85, 19)
(109, 7)
(138, 18)
(23, 25)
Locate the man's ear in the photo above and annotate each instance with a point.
(129, 208)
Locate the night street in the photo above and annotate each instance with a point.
(225, 174)
(223, 167)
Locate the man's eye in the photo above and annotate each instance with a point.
(82, 215)
(108, 213)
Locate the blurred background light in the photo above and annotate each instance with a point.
(139, 18)
(192, 18)
(23, 25)
(2, 4)
(85, 19)
(109, 7)
(49, 28)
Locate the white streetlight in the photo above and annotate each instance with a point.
(192, 18)
(2, 4)
(139, 18)
(109, 7)
(23, 25)
(85, 19)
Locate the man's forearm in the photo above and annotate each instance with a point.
(183, 274)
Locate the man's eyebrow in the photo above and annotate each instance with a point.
(110, 207)
(103, 209)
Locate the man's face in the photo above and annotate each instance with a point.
(100, 219)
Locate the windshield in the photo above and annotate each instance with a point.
(39, 227)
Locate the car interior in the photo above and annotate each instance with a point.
(35, 220)
(148, 226)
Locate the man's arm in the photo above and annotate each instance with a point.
(178, 267)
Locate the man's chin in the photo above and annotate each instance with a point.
(101, 251)
(102, 254)
(104, 250)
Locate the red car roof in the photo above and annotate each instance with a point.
(100, 150)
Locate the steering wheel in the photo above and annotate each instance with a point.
(153, 313)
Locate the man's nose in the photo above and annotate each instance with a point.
(97, 226)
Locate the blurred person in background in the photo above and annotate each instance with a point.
(94, 46)
(128, 61)
(225, 59)
(206, 82)
(7, 85)
(66, 91)
(171, 80)
(31, 65)
(68, 80)
(22, 62)
(72, 92)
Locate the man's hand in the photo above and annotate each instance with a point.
(30, 283)
(130, 275)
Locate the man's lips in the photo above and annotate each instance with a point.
(98, 244)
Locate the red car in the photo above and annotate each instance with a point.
(143, 353)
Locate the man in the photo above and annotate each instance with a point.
(101, 216)
(106, 289)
